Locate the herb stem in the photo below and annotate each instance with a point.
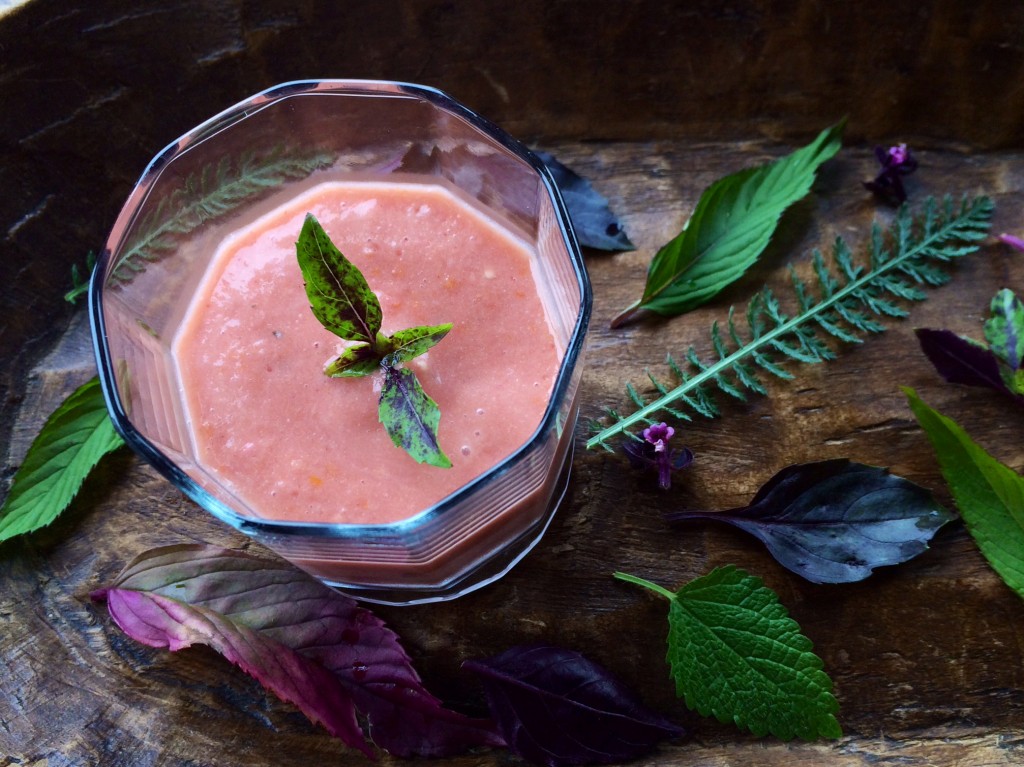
(711, 371)
(646, 584)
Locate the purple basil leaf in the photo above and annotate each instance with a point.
(595, 224)
(304, 641)
(411, 417)
(961, 361)
(835, 521)
(555, 707)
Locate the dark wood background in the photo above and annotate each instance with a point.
(652, 101)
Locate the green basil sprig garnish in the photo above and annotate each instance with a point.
(344, 303)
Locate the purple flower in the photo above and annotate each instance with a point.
(1012, 241)
(896, 161)
(654, 453)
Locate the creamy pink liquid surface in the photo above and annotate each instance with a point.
(297, 445)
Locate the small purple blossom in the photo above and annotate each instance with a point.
(896, 161)
(654, 453)
(658, 435)
(1012, 241)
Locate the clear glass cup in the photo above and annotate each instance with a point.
(252, 157)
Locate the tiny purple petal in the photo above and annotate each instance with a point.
(896, 161)
(636, 452)
(654, 453)
(682, 458)
(898, 154)
(659, 432)
(1012, 241)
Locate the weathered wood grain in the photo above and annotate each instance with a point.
(91, 91)
(927, 657)
(651, 101)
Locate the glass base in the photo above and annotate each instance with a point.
(487, 572)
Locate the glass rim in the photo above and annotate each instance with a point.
(223, 120)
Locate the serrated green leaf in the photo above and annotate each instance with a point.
(735, 654)
(412, 342)
(73, 440)
(411, 417)
(338, 293)
(989, 494)
(731, 225)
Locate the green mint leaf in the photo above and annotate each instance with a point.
(1004, 332)
(410, 417)
(412, 342)
(731, 225)
(355, 362)
(73, 439)
(989, 494)
(735, 654)
(338, 293)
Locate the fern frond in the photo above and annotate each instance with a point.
(846, 302)
(80, 279)
(207, 195)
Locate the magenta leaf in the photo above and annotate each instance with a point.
(555, 707)
(835, 521)
(309, 644)
(962, 361)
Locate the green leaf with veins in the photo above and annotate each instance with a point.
(735, 654)
(343, 302)
(73, 440)
(1004, 333)
(412, 342)
(989, 494)
(411, 417)
(355, 362)
(338, 293)
(731, 225)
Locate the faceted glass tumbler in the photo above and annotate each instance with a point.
(252, 157)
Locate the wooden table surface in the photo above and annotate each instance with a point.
(927, 657)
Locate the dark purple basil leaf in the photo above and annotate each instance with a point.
(595, 224)
(835, 521)
(411, 417)
(555, 707)
(306, 642)
(961, 361)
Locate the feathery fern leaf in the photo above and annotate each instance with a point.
(208, 195)
(847, 304)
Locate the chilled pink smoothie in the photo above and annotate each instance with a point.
(300, 446)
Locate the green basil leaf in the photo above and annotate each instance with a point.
(412, 342)
(73, 440)
(354, 362)
(338, 293)
(411, 417)
(989, 494)
(1004, 332)
(735, 654)
(731, 225)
